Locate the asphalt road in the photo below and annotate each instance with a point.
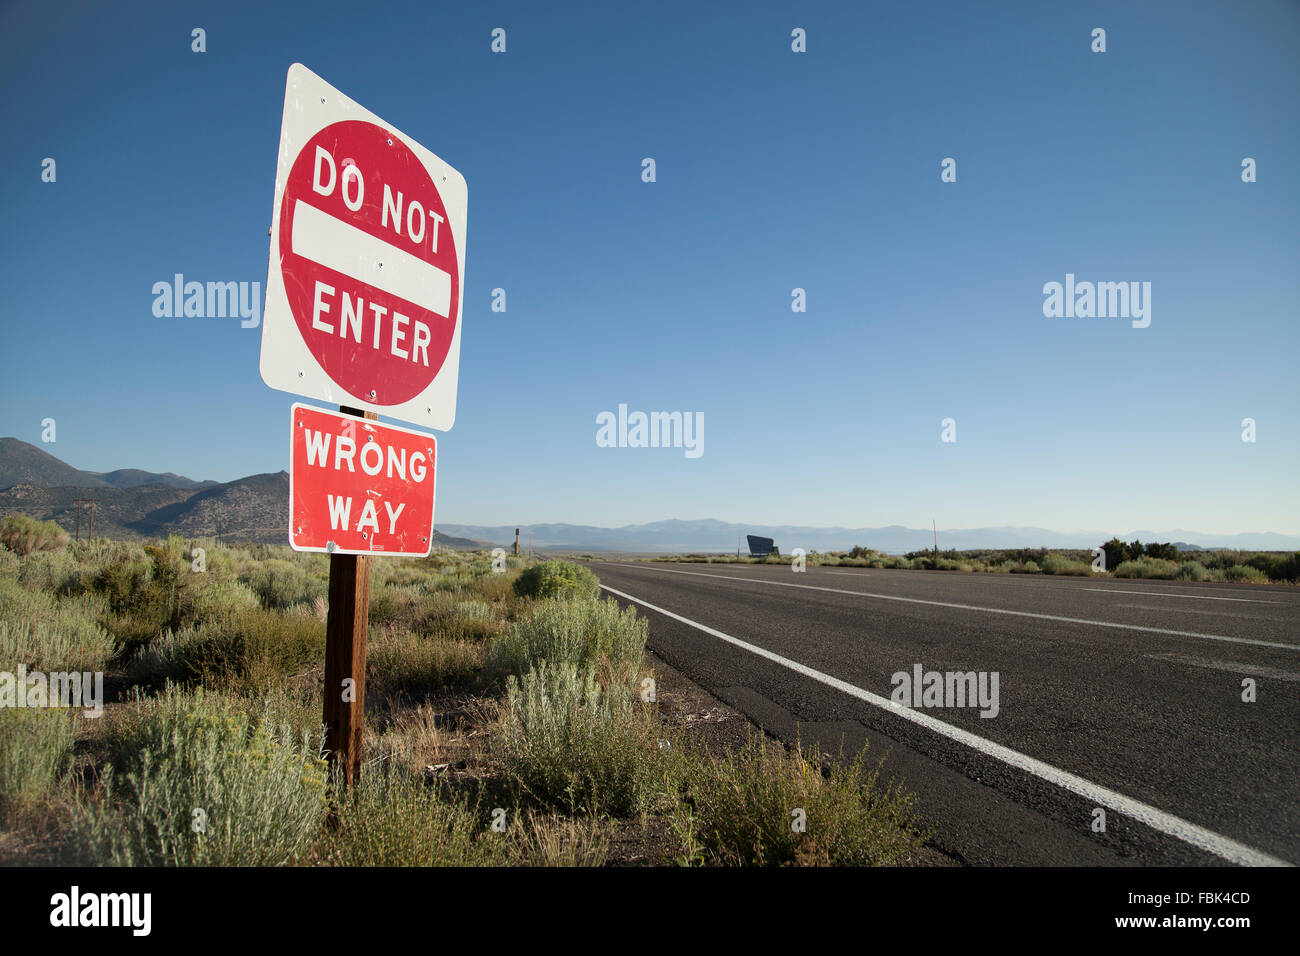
(1119, 695)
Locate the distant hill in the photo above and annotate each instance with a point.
(116, 509)
(254, 508)
(25, 464)
(134, 478)
(21, 463)
(130, 503)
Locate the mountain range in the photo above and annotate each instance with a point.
(132, 503)
(719, 536)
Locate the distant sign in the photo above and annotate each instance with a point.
(359, 487)
(364, 288)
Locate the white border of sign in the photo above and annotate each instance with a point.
(362, 425)
(311, 104)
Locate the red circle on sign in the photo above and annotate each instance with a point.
(374, 289)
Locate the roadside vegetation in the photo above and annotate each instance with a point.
(512, 719)
(1122, 560)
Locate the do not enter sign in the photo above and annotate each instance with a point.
(364, 289)
(359, 487)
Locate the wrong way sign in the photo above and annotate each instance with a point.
(359, 487)
(365, 283)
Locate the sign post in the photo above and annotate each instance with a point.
(363, 302)
(346, 631)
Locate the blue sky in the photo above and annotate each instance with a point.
(775, 170)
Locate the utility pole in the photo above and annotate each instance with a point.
(934, 525)
(516, 542)
(89, 504)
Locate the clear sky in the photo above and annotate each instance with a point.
(775, 170)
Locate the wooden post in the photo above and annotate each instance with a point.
(90, 535)
(78, 534)
(345, 654)
(516, 542)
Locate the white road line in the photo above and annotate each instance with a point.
(1186, 597)
(341, 246)
(1190, 833)
(987, 610)
(1231, 667)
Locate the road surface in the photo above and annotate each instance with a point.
(1124, 697)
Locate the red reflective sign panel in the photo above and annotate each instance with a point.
(359, 487)
(368, 262)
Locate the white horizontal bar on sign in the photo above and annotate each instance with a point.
(341, 246)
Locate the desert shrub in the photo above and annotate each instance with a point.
(1116, 552)
(555, 840)
(392, 605)
(744, 803)
(474, 610)
(206, 785)
(432, 613)
(454, 581)
(124, 578)
(596, 634)
(23, 535)
(1191, 571)
(1023, 567)
(392, 818)
(568, 744)
(219, 562)
(405, 662)
(46, 633)
(398, 572)
(467, 627)
(557, 579)
(282, 584)
(35, 744)
(208, 596)
(1244, 574)
(160, 600)
(1145, 567)
(1278, 567)
(51, 571)
(1059, 564)
(169, 657)
(251, 650)
(497, 587)
(868, 554)
(1165, 551)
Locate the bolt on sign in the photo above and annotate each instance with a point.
(366, 276)
(359, 487)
